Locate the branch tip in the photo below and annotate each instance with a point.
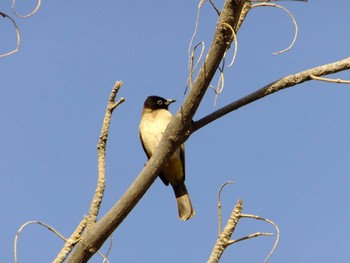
(115, 105)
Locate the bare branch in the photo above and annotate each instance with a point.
(278, 85)
(101, 151)
(176, 133)
(257, 234)
(224, 238)
(29, 223)
(341, 81)
(71, 242)
(270, 222)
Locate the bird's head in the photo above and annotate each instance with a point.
(156, 102)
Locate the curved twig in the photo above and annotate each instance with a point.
(219, 205)
(193, 35)
(33, 222)
(274, 225)
(200, 55)
(236, 44)
(30, 14)
(191, 67)
(220, 86)
(293, 19)
(17, 33)
(69, 243)
(221, 82)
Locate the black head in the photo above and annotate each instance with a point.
(156, 102)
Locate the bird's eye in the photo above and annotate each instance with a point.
(159, 102)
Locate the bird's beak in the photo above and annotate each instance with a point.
(169, 101)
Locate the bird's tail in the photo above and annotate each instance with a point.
(184, 205)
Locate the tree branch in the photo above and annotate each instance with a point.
(101, 152)
(175, 134)
(179, 129)
(224, 238)
(286, 82)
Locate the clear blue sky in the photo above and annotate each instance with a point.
(288, 154)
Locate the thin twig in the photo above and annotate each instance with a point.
(270, 222)
(105, 260)
(219, 205)
(257, 234)
(236, 45)
(192, 68)
(193, 35)
(341, 81)
(191, 51)
(17, 33)
(214, 6)
(293, 19)
(25, 225)
(69, 243)
(221, 82)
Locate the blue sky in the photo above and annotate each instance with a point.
(288, 153)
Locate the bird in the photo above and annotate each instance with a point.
(155, 118)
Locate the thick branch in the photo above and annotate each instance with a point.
(286, 82)
(175, 134)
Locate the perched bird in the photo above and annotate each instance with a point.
(155, 118)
